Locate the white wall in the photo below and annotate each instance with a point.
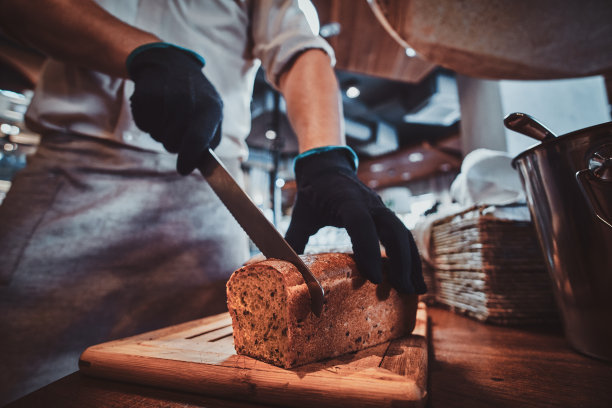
(561, 105)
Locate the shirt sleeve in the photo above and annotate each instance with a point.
(280, 32)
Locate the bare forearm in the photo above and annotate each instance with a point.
(313, 101)
(75, 31)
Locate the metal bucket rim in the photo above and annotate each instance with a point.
(559, 139)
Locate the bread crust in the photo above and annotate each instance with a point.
(281, 329)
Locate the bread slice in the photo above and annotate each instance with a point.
(272, 321)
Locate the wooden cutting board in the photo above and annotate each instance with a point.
(199, 357)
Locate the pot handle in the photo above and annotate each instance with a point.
(596, 184)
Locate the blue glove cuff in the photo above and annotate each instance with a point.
(318, 150)
(149, 46)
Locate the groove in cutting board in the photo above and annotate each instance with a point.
(216, 330)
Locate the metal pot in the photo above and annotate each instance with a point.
(568, 184)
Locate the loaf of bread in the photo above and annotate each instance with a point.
(272, 320)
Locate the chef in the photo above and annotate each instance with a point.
(108, 231)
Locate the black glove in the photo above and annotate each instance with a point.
(174, 102)
(329, 193)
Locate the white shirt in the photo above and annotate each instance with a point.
(234, 37)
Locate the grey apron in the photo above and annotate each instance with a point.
(99, 241)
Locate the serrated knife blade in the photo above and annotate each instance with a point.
(261, 231)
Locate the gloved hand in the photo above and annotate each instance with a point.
(174, 102)
(329, 193)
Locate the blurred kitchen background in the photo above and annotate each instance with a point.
(412, 114)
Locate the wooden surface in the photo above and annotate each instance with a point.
(364, 46)
(396, 169)
(471, 364)
(498, 39)
(492, 366)
(199, 357)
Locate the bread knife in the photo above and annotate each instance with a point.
(261, 231)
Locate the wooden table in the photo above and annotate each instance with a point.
(470, 365)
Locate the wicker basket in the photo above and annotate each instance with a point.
(491, 269)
